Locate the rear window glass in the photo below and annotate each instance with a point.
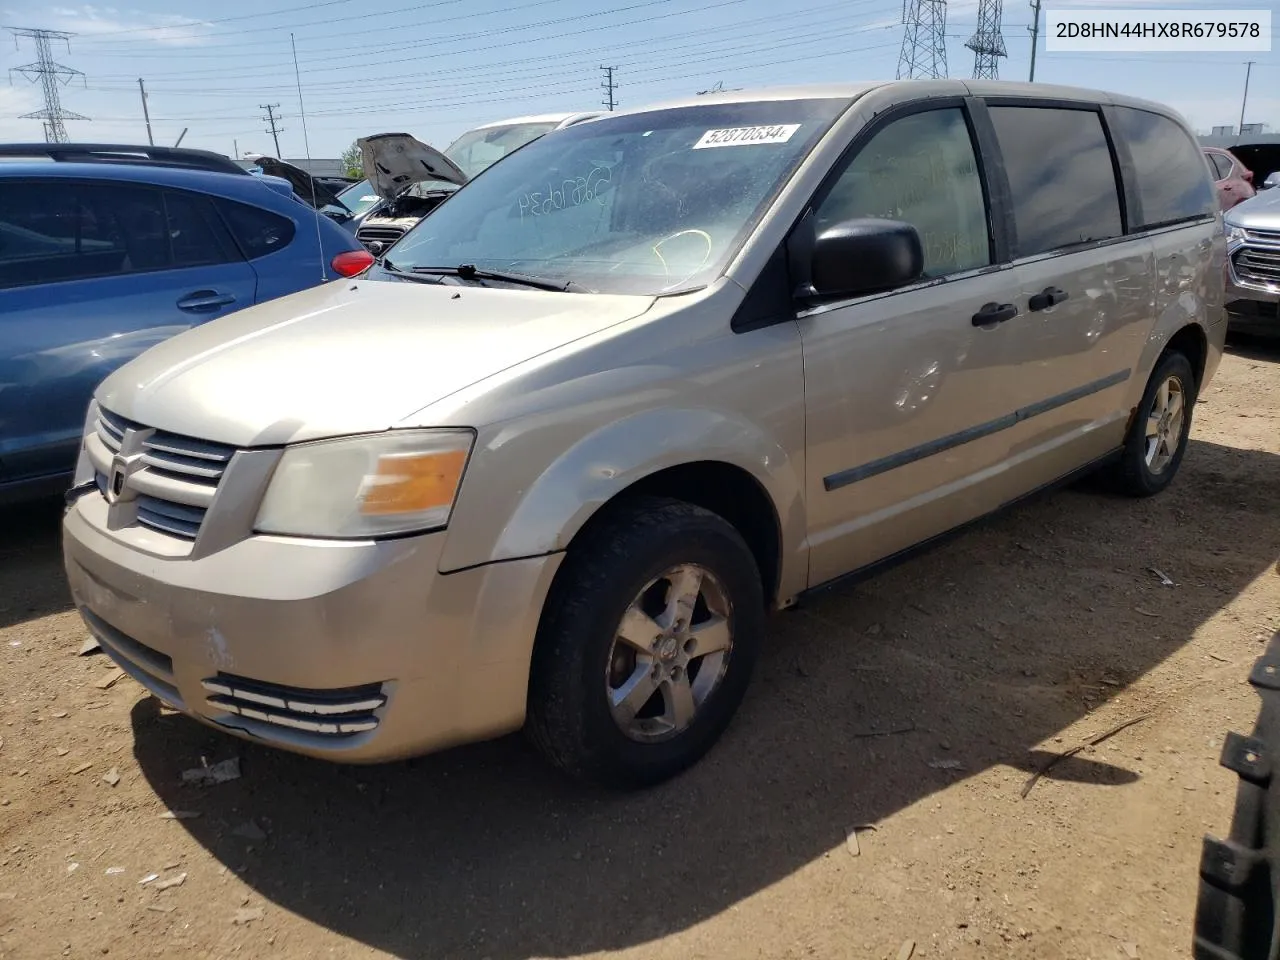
(1173, 178)
(1061, 176)
(259, 232)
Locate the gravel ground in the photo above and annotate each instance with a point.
(916, 704)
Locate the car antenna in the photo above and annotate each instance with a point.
(306, 143)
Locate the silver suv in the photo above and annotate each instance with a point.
(1253, 249)
(550, 462)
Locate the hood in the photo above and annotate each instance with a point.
(346, 358)
(393, 162)
(1261, 212)
(302, 182)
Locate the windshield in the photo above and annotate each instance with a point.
(477, 149)
(358, 197)
(649, 203)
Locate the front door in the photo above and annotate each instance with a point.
(906, 402)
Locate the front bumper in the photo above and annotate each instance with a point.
(352, 651)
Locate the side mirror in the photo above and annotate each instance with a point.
(865, 256)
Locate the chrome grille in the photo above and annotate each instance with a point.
(1258, 264)
(330, 713)
(1266, 236)
(178, 477)
(382, 234)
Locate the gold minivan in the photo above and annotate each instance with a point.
(552, 459)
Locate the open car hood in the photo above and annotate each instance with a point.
(304, 185)
(393, 162)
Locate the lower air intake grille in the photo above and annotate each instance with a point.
(333, 713)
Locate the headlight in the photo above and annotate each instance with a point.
(1233, 232)
(397, 482)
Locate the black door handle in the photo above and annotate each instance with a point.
(1048, 297)
(993, 313)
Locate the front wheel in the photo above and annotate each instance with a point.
(646, 645)
(1157, 438)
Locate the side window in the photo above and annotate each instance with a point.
(258, 232)
(1221, 166)
(1169, 166)
(192, 233)
(132, 215)
(1061, 177)
(50, 231)
(921, 170)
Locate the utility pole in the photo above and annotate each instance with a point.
(987, 42)
(146, 114)
(1035, 37)
(924, 40)
(51, 75)
(608, 87)
(1245, 102)
(271, 118)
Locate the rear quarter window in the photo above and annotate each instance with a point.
(258, 232)
(1173, 177)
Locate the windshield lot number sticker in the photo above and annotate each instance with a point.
(742, 136)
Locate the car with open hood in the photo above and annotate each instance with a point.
(406, 179)
(551, 461)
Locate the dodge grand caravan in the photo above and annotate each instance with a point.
(550, 462)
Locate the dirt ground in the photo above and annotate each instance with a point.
(918, 702)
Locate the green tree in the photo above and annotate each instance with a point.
(353, 161)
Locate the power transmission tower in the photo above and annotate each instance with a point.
(608, 87)
(1035, 37)
(271, 119)
(987, 42)
(924, 40)
(51, 75)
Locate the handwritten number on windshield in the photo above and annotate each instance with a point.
(571, 193)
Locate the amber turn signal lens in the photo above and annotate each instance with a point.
(411, 483)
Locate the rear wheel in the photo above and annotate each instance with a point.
(646, 645)
(1157, 438)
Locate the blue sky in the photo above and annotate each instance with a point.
(438, 67)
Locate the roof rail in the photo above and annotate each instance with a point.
(123, 153)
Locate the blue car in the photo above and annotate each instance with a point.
(106, 251)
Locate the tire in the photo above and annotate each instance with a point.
(1236, 906)
(1135, 474)
(580, 651)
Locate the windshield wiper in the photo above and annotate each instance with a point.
(390, 267)
(469, 271)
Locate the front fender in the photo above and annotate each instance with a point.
(503, 518)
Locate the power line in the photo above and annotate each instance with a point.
(924, 39)
(608, 86)
(987, 42)
(507, 68)
(51, 76)
(271, 119)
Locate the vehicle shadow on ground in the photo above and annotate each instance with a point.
(483, 852)
(1254, 346)
(32, 581)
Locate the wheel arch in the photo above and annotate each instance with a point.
(725, 489)
(1193, 344)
